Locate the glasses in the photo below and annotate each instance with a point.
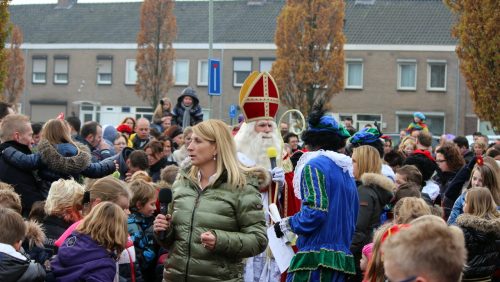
(440, 161)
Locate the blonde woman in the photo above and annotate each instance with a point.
(374, 192)
(407, 146)
(62, 208)
(481, 226)
(216, 218)
(59, 156)
(90, 253)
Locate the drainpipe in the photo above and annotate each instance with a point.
(457, 109)
(221, 80)
(25, 93)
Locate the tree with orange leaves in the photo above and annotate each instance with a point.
(4, 33)
(310, 52)
(155, 54)
(14, 81)
(478, 36)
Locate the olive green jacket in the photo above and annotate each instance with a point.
(236, 218)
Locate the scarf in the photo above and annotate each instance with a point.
(186, 118)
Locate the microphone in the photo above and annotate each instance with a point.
(272, 153)
(164, 197)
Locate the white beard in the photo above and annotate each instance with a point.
(254, 145)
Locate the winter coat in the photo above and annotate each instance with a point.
(481, 239)
(236, 218)
(442, 179)
(155, 170)
(455, 186)
(54, 227)
(63, 160)
(33, 243)
(140, 230)
(80, 258)
(24, 180)
(15, 267)
(195, 112)
(374, 191)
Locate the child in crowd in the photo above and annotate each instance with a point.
(375, 269)
(417, 124)
(14, 266)
(410, 208)
(187, 111)
(91, 252)
(140, 226)
(483, 175)
(366, 255)
(481, 226)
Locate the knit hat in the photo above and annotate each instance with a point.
(419, 115)
(365, 136)
(367, 251)
(109, 133)
(327, 123)
(124, 128)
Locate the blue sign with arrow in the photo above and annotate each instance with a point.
(214, 77)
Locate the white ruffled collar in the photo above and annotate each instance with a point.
(343, 161)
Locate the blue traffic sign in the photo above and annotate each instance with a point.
(214, 77)
(233, 111)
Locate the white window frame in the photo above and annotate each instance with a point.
(235, 83)
(33, 76)
(430, 63)
(407, 62)
(427, 114)
(61, 81)
(200, 81)
(99, 80)
(346, 73)
(272, 60)
(176, 82)
(128, 69)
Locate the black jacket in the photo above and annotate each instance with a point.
(195, 112)
(481, 239)
(54, 227)
(24, 180)
(374, 191)
(13, 269)
(155, 170)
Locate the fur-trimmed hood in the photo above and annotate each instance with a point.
(65, 157)
(35, 235)
(378, 180)
(480, 224)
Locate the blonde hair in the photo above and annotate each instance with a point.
(367, 159)
(217, 132)
(375, 269)
(490, 178)
(108, 189)
(6, 186)
(57, 131)
(10, 199)
(410, 208)
(65, 200)
(141, 175)
(107, 225)
(408, 140)
(480, 203)
(412, 258)
(12, 124)
(142, 192)
(158, 113)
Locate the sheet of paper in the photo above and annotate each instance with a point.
(282, 252)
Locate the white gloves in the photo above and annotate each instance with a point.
(278, 176)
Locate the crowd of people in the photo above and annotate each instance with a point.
(80, 202)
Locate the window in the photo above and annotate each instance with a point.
(61, 65)
(436, 75)
(130, 72)
(202, 72)
(407, 75)
(104, 70)
(354, 74)
(39, 70)
(434, 120)
(266, 65)
(241, 69)
(181, 72)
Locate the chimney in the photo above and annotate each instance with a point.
(65, 4)
(256, 2)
